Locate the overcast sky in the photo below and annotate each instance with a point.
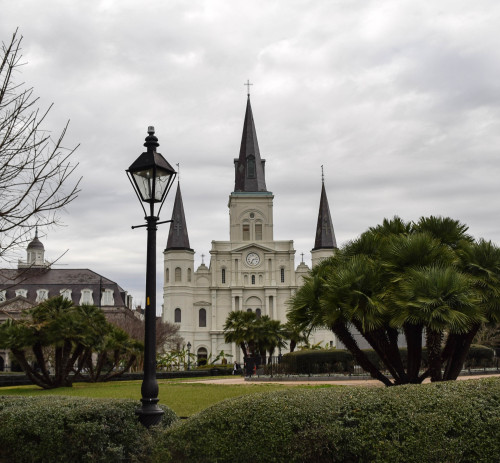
(399, 100)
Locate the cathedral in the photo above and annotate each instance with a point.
(251, 272)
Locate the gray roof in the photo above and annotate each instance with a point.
(325, 235)
(249, 167)
(56, 280)
(178, 235)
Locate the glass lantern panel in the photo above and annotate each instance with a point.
(143, 180)
(162, 182)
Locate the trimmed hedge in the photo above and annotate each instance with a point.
(342, 361)
(452, 421)
(73, 429)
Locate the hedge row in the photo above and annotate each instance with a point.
(73, 429)
(342, 361)
(453, 421)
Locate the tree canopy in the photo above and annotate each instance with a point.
(428, 281)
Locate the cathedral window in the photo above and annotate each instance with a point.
(253, 279)
(251, 166)
(22, 292)
(189, 275)
(258, 312)
(177, 315)
(249, 310)
(107, 297)
(258, 232)
(42, 295)
(86, 297)
(167, 275)
(177, 274)
(246, 232)
(202, 355)
(282, 274)
(202, 318)
(223, 276)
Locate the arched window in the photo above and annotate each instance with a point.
(253, 279)
(282, 274)
(202, 318)
(177, 315)
(167, 275)
(251, 166)
(22, 292)
(202, 355)
(189, 275)
(2, 295)
(177, 274)
(66, 294)
(223, 276)
(249, 310)
(258, 312)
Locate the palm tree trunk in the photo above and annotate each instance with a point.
(413, 335)
(434, 341)
(36, 378)
(345, 336)
(460, 353)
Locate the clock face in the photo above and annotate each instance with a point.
(253, 259)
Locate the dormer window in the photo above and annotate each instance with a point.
(3, 297)
(86, 297)
(42, 295)
(107, 297)
(66, 294)
(22, 292)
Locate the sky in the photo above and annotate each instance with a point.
(399, 101)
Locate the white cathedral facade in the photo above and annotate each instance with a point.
(251, 271)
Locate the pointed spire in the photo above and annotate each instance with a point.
(178, 235)
(325, 235)
(249, 167)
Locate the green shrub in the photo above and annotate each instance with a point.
(440, 422)
(479, 356)
(73, 429)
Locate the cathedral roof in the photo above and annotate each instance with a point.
(178, 235)
(325, 235)
(249, 167)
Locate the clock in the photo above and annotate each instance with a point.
(253, 259)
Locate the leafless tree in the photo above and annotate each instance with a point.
(35, 169)
(167, 334)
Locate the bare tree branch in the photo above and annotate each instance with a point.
(35, 170)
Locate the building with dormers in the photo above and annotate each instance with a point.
(251, 272)
(35, 280)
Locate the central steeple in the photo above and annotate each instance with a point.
(249, 167)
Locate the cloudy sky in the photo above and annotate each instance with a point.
(399, 100)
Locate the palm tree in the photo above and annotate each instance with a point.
(240, 329)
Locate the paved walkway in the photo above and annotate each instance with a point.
(350, 382)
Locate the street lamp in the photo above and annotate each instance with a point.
(189, 355)
(151, 177)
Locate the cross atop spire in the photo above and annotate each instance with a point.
(248, 87)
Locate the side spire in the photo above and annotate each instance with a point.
(178, 235)
(249, 167)
(325, 235)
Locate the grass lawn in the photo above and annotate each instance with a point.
(183, 398)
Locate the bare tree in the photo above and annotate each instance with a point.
(35, 170)
(167, 334)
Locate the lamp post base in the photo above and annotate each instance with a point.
(149, 414)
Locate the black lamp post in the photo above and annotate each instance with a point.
(189, 355)
(151, 176)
